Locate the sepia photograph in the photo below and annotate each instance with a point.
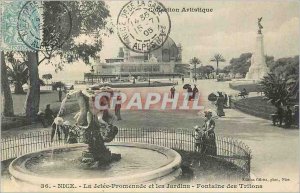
(150, 96)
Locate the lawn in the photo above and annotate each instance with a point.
(250, 87)
(160, 119)
(256, 106)
(45, 98)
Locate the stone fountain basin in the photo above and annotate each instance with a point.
(140, 163)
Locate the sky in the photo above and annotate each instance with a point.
(230, 29)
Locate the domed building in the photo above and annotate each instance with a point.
(158, 63)
(167, 53)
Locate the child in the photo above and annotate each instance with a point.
(197, 136)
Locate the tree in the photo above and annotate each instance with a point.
(87, 17)
(205, 70)
(32, 101)
(217, 58)
(269, 61)
(181, 68)
(8, 108)
(201, 71)
(240, 65)
(194, 62)
(285, 66)
(17, 70)
(275, 89)
(224, 70)
(47, 77)
(282, 84)
(56, 85)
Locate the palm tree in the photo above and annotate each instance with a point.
(17, 72)
(217, 58)
(194, 61)
(275, 89)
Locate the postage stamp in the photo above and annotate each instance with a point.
(20, 25)
(24, 27)
(143, 26)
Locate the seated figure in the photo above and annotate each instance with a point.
(243, 93)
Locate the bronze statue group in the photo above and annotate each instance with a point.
(71, 132)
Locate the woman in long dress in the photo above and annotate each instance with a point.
(220, 105)
(209, 146)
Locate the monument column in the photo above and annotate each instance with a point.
(258, 68)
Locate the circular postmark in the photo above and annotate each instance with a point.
(143, 26)
(49, 29)
(29, 25)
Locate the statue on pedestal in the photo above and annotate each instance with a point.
(259, 25)
(258, 68)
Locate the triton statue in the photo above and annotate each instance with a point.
(96, 126)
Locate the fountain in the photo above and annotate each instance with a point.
(93, 160)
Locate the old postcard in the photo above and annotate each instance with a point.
(150, 96)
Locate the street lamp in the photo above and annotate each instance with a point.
(92, 73)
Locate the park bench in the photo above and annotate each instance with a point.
(243, 94)
(275, 119)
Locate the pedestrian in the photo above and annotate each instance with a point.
(118, 106)
(288, 117)
(59, 94)
(172, 90)
(280, 113)
(195, 91)
(105, 118)
(182, 79)
(229, 101)
(220, 105)
(49, 115)
(190, 92)
(296, 115)
(209, 146)
(225, 100)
